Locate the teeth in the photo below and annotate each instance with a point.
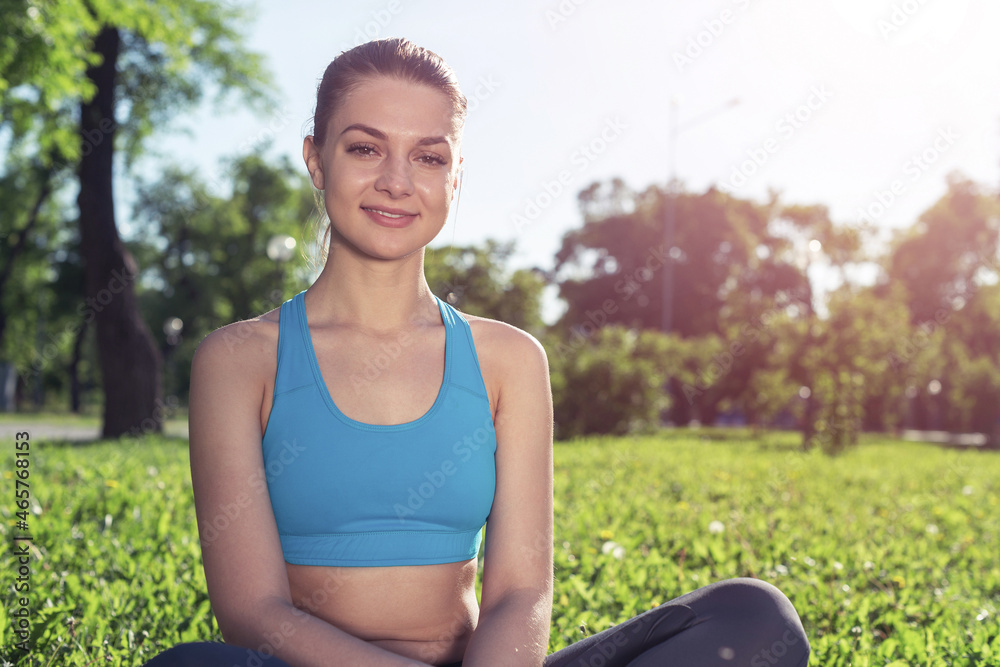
(388, 215)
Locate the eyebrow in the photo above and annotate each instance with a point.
(378, 134)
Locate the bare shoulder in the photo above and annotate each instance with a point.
(512, 361)
(505, 345)
(247, 347)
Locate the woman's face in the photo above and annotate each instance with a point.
(391, 147)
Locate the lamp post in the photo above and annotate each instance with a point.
(674, 253)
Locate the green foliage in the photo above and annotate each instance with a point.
(751, 369)
(941, 259)
(867, 361)
(976, 324)
(959, 349)
(619, 254)
(171, 56)
(41, 295)
(609, 380)
(973, 393)
(475, 280)
(169, 52)
(206, 254)
(850, 358)
(45, 54)
(884, 562)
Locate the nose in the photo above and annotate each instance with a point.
(395, 178)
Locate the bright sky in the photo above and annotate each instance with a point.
(837, 100)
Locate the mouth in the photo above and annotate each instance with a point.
(389, 217)
(390, 212)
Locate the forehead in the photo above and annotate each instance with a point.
(400, 109)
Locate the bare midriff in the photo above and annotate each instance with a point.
(424, 612)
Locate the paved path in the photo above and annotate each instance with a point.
(41, 430)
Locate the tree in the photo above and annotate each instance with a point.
(32, 234)
(80, 80)
(948, 265)
(941, 259)
(760, 348)
(851, 361)
(958, 355)
(610, 382)
(725, 257)
(211, 258)
(803, 234)
(618, 253)
(476, 281)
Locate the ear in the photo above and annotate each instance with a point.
(311, 156)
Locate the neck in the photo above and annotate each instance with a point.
(380, 296)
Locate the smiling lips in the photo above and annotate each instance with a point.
(391, 212)
(390, 217)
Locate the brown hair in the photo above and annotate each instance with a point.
(395, 57)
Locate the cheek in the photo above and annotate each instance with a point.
(439, 189)
(344, 184)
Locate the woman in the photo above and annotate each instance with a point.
(347, 451)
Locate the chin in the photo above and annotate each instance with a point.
(388, 245)
(386, 251)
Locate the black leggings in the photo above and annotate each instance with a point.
(732, 623)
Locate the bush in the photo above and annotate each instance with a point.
(611, 381)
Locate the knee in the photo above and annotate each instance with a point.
(763, 610)
(749, 593)
(199, 654)
(177, 656)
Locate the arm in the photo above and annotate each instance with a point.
(516, 604)
(244, 565)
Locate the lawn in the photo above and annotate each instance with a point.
(888, 552)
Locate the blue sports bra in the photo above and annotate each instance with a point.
(354, 494)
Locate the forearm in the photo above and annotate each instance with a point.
(514, 631)
(303, 640)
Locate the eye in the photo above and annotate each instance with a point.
(361, 149)
(433, 159)
(368, 150)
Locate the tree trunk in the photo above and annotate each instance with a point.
(131, 366)
(680, 406)
(74, 370)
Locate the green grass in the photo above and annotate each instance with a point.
(889, 552)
